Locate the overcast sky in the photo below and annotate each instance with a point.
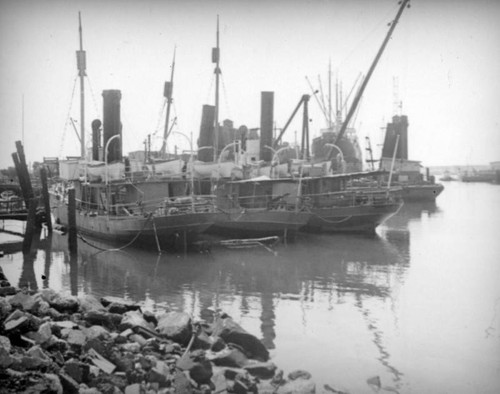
(444, 54)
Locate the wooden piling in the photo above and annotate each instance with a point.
(72, 232)
(24, 169)
(46, 198)
(20, 177)
(31, 226)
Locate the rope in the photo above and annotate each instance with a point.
(210, 89)
(160, 116)
(123, 247)
(333, 221)
(225, 97)
(67, 116)
(94, 101)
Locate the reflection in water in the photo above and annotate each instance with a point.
(391, 305)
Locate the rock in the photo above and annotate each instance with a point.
(77, 370)
(133, 389)
(35, 358)
(298, 386)
(181, 383)
(7, 291)
(217, 344)
(76, 338)
(5, 308)
(102, 318)
(5, 343)
(64, 303)
(132, 319)
(54, 383)
(229, 357)
(43, 334)
(47, 295)
(263, 370)
(23, 301)
(176, 326)
(5, 359)
(202, 341)
(21, 324)
(231, 332)
(96, 332)
(150, 317)
(299, 374)
(133, 347)
(70, 386)
(201, 372)
(129, 305)
(117, 308)
(90, 303)
(138, 339)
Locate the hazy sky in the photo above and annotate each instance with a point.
(445, 55)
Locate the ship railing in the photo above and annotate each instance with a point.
(12, 204)
(158, 207)
(350, 198)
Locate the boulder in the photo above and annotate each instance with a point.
(23, 301)
(129, 305)
(64, 303)
(176, 326)
(102, 318)
(231, 332)
(229, 357)
(299, 374)
(77, 370)
(262, 370)
(5, 359)
(76, 339)
(90, 303)
(132, 319)
(5, 308)
(5, 343)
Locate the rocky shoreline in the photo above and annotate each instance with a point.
(54, 343)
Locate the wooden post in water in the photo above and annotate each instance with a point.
(31, 226)
(23, 172)
(72, 240)
(46, 199)
(21, 178)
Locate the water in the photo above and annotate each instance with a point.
(417, 305)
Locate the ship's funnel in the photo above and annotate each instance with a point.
(266, 125)
(96, 138)
(399, 126)
(112, 125)
(206, 133)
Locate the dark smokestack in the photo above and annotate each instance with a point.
(266, 125)
(206, 133)
(112, 124)
(399, 126)
(96, 138)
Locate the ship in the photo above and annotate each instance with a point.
(404, 172)
(122, 200)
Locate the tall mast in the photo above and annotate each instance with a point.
(169, 87)
(356, 100)
(330, 93)
(81, 65)
(216, 59)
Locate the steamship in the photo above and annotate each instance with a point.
(122, 199)
(406, 173)
(123, 204)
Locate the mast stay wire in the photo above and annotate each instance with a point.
(94, 101)
(377, 26)
(225, 96)
(66, 122)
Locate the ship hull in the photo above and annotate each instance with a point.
(158, 231)
(260, 222)
(357, 219)
(421, 192)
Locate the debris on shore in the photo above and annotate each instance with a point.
(53, 343)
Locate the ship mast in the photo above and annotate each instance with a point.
(81, 65)
(356, 100)
(216, 59)
(330, 94)
(169, 86)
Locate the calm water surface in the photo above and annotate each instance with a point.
(417, 305)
